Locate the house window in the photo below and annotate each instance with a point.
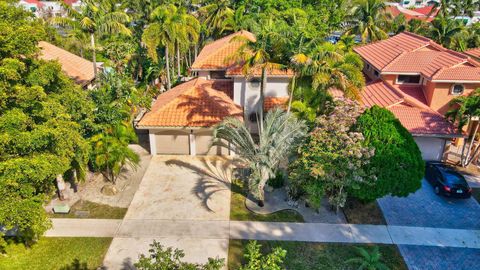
(415, 79)
(217, 74)
(368, 66)
(376, 73)
(255, 83)
(457, 89)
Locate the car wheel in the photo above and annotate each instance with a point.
(437, 190)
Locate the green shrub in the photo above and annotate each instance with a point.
(278, 181)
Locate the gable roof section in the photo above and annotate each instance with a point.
(407, 53)
(76, 67)
(409, 14)
(378, 93)
(474, 52)
(196, 103)
(215, 55)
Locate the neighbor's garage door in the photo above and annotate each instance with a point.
(203, 141)
(431, 148)
(172, 142)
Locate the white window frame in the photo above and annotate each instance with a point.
(453, 86)
(419, 81)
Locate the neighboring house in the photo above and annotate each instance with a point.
(426, 13)
(415, 78)
(49, 8)
(181, 120)
(76, 67)
(475, 53)
(417, 3)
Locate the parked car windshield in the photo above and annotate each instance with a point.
(452, 178)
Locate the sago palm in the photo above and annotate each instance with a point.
(100, 17)
(169, 27)
(368, 19)
(281, 132)
(368, 260)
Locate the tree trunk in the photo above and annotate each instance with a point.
(465, 162)
(167, 64)
(179, 72)
(60, 186)
(262, 98)
(94, 55)
(291, 93)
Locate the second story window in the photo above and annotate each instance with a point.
(408, 79)
(217, 74)
(457, 89)
(376, 73)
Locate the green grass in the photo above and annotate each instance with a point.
(238, 210)
(96, 210)
(357, 212)
(79, 253)
(316, 256)
(476, 194)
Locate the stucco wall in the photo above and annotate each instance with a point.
(247, 95)
(438, 95)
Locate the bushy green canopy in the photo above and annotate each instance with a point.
(397, 162)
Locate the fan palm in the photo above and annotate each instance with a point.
(281, 131)
(369, 19)
(169, 27)
(368, 261)
(95, 17)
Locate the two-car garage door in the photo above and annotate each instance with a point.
(177, 142)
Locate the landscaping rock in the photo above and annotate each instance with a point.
(109, 190)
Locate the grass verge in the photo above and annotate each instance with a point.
(96, 210)
(80, 253)
(238, 210)
(318, 256)
(357, 212)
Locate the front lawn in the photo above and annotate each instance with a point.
(318, 256)
(357, 212)
(238, 210)
(80, 253)
(95, 210)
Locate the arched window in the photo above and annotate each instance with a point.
(457, 89)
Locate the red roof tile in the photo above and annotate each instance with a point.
(76, 67)
(237, 70)
(272, 102)
(215, 54)
(408, 13)
(427, 10)
(422, 121)
(462, 73)
(381, 94)
(474, 52)
(196, 103)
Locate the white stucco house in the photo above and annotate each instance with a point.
(181, 120)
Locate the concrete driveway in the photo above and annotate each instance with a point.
(176, 202)
(424, 208)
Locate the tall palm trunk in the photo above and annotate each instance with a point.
(94, 54)
(291, 93)
(179, 73)
(167, 65)
(262, 98)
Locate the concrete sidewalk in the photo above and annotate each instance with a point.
(311, 232)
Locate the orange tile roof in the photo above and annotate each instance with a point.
(474, 52)
(77, 68)
(422, 121)
(272, 102)
(196, 103)
(463, 73)
(410, 53)
(215, 55)
(378, 93)
(408, 13)
(236, 70)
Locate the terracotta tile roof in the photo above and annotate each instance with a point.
(35, 2)
(474, 52)
(215, 55)
(196, 103)
(410, 53)
(408, 13)
(272, 102)
(422, 121)
(77, 68)
(381, 94)
(237, 70)
(426, 10)
(463, 73)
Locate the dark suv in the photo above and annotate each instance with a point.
(446, 181)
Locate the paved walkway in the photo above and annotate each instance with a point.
(313, 232)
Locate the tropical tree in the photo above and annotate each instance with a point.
(281, 132)
(369, 19)
(96, 17)
(110, 152)
(368, 260)
(215, 14)
(169, 28)
(256, 56)
(446, 31)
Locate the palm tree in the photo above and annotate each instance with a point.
(96, 17)
(257, 55)
(368, 261)
(215, 14)
(281, 131)
(169, 28)
(369, 20)
(445, 31)
(110, 152)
